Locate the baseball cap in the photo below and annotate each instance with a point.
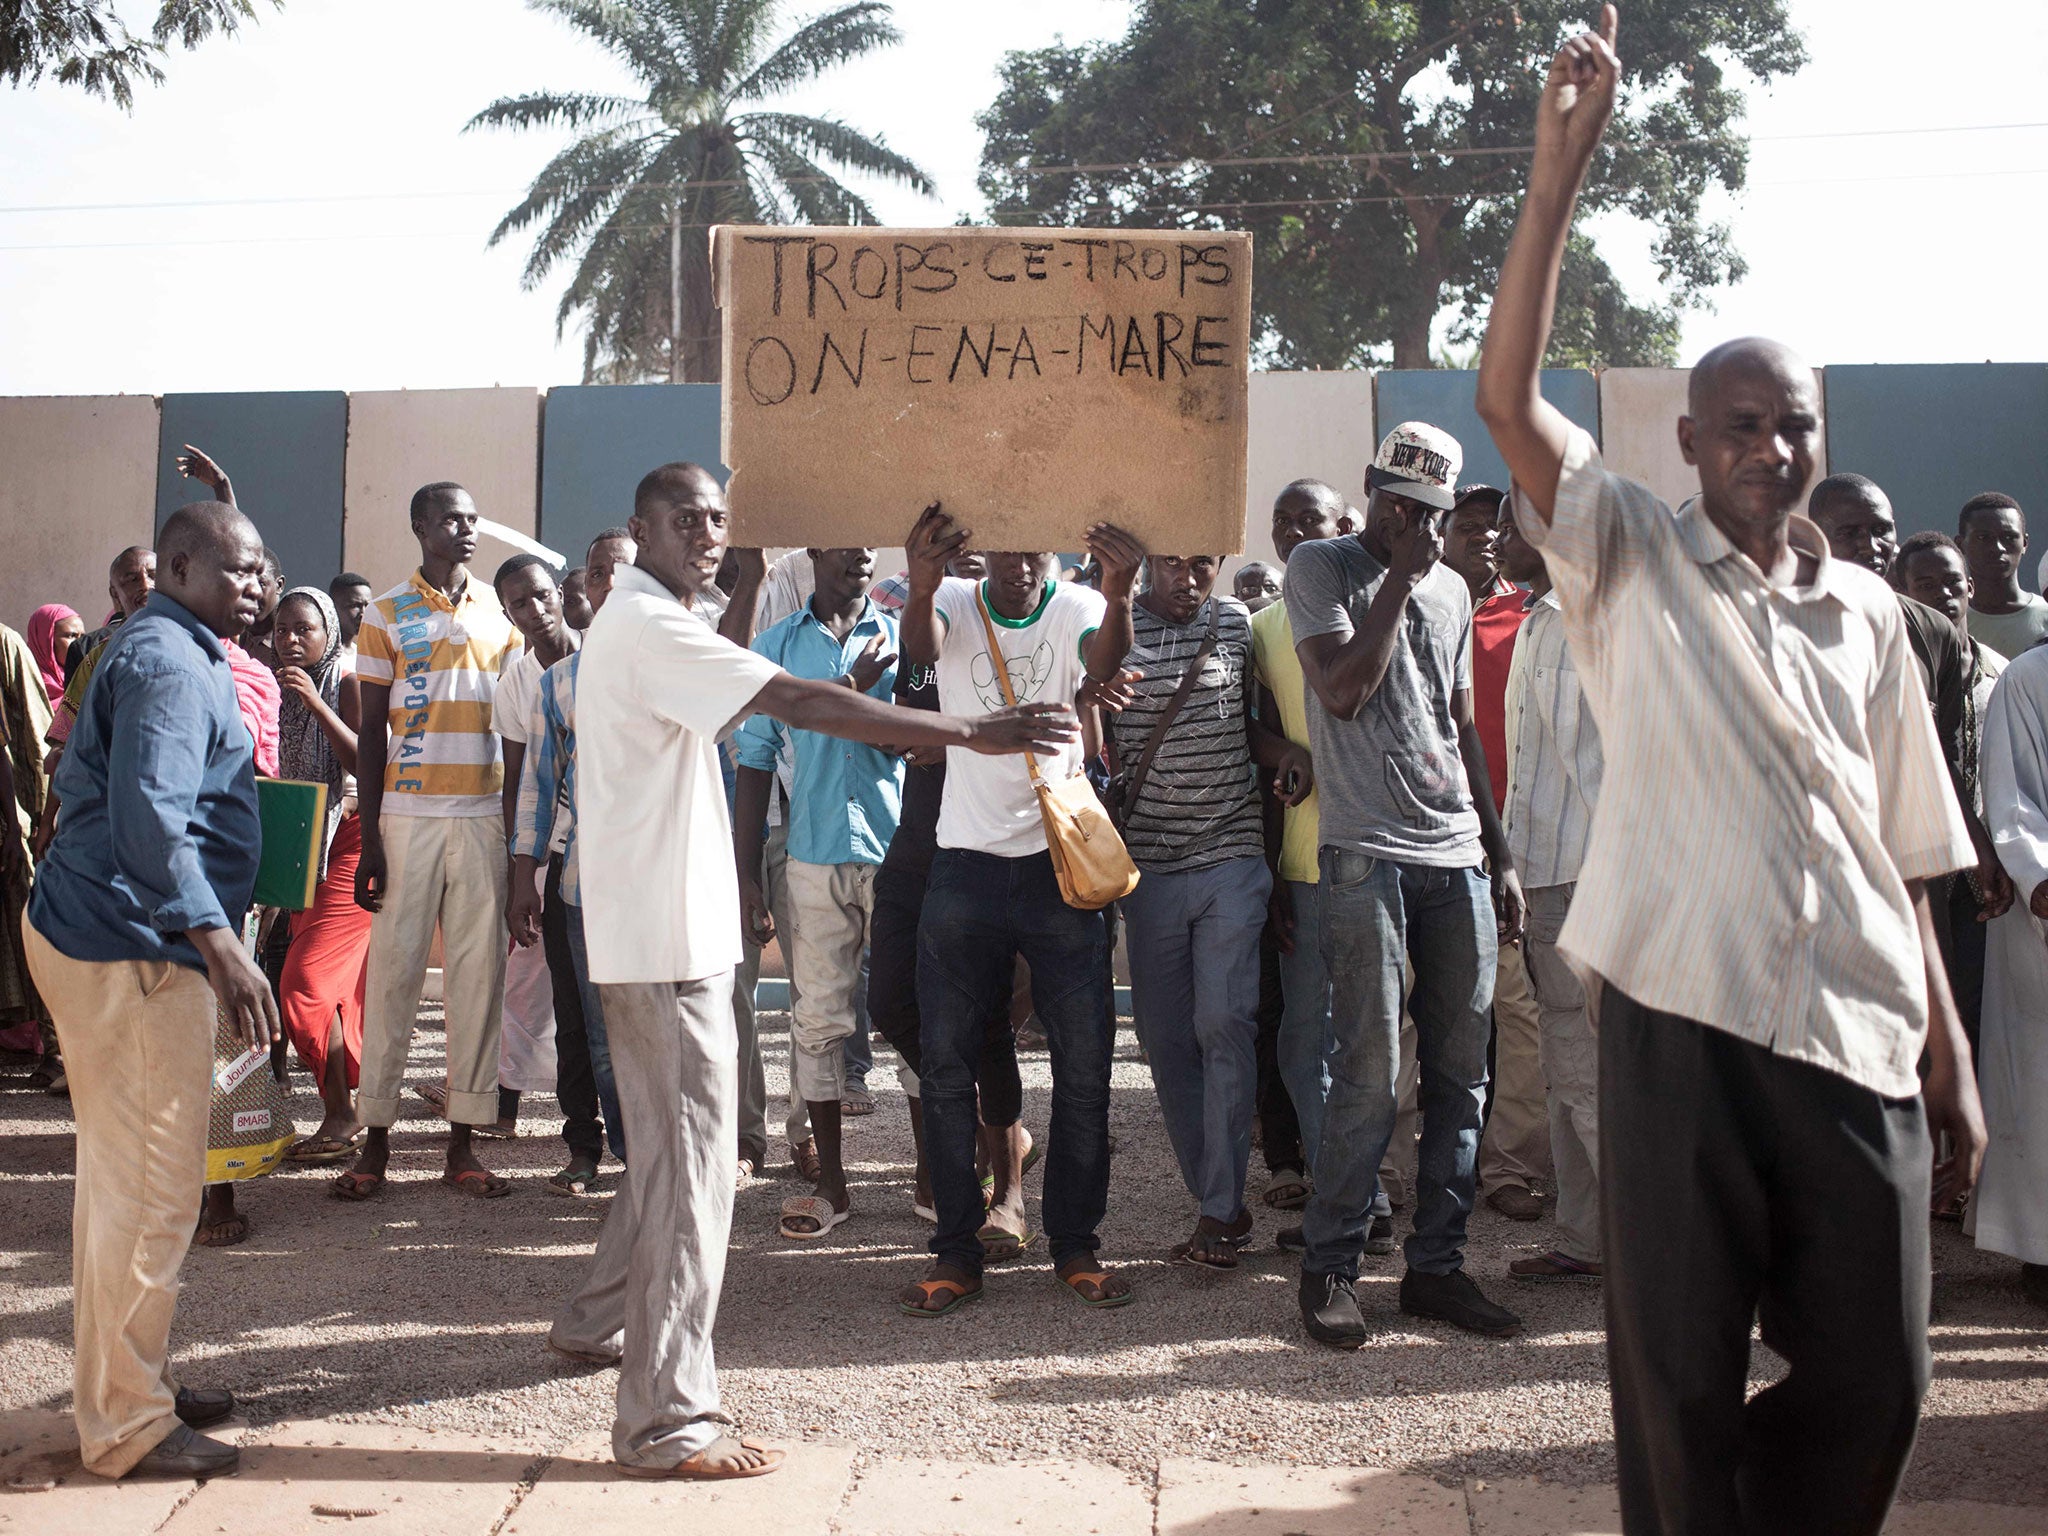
(1418, 461)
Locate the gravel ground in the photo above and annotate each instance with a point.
(429, 1309)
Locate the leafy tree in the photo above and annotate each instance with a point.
(631, 199)
(85, 43)
(1376, 149)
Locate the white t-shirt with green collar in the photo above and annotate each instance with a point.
(990, 806)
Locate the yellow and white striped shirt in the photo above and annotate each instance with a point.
(1772, 781)
(441, 661)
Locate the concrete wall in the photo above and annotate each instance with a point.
(1934, 435)
(77, 477)
(1304, 426)
(400, 440)
(598, 440)
(328, 477)
(1443, 397)
(284, 453)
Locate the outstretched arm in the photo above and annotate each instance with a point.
(195, 465)
(831, 710)
(1578, 100)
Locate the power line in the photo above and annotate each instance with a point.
(1191, 162)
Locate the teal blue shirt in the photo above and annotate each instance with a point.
(846, 797)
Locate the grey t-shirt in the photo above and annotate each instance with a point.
(2009, 634)
(1391, 783)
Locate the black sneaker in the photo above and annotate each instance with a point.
(1379, 1242)
(1454, 1299)
(1329, 1311)
(1291, 1240)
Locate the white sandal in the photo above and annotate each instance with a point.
(814, 1208)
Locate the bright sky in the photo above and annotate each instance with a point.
(1881, 247)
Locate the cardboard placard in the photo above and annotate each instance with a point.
(1033, 381)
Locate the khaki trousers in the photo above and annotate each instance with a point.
(651, 1295)
(138, 1045)
(1571, 1068)
(833, 906)
(448, 870)
(1516, 1146)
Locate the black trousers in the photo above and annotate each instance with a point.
(892, 997)
(1279, 1127)
(1738, 1184)
(575, 1082)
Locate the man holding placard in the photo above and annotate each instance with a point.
(993, 894)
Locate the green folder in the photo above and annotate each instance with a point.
(294, 818)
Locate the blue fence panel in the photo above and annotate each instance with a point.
(284, 452)
(1443, 397)
(597, 440)
(1935, 434)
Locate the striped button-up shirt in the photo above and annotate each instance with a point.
(1772, 781)
(440, 661)
(1554, 762)
(544, 818)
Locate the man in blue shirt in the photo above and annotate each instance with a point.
(843, 810)
(133, 937)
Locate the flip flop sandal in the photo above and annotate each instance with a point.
(494, 1132)
(223, 1234)
(571, 1181)
(1211, 1250)
(697, 1470)
(956, 1295)
(1098, 1278)
(814, 1208)
(1288, 1194)
(477, 1184)
(1553, 1267)
(999, 1243)
(324, 1149)
(856, 1101)
(436, 1097)
(743, 1173)
(356, 1186)
(1031, 1161)
(924, 1212)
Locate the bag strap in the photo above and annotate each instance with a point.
(1174, 705)
(995, 657)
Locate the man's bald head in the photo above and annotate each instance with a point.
(673, 485)
(1752, 430)
(1746, 355)
(204, 528)
(209, 559)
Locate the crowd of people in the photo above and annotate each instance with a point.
(1386, 801)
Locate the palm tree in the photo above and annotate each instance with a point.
(637, 191)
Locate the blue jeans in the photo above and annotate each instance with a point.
(1194, 948)
(981, 911)
(1375, 911)
(593, 1032)
(1305, 1038)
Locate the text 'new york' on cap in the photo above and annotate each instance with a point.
(1418, 461)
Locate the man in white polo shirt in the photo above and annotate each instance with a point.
(655, 690)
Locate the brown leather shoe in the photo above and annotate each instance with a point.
(184, 1452)
(201, 1406)
(1515, 1203)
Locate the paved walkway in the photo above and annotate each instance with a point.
(311, 1476)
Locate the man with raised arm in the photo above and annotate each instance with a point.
(655, 689)
(1753, 898)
